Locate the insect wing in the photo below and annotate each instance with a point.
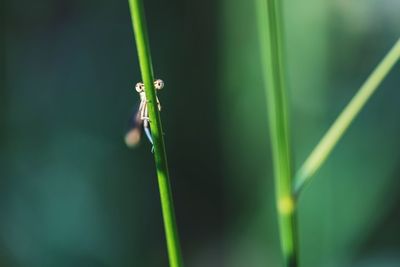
(133, 135)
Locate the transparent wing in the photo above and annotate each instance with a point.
(134, 132)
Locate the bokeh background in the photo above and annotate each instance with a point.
(72, 193)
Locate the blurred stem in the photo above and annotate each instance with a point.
(146, 68)
(338, 128)
(272, 57)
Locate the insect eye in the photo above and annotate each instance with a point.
(139, 87)
(159, 84)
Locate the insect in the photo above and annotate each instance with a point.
(140, 118)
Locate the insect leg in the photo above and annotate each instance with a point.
(158, 104)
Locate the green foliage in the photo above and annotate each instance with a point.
(272, 59)
(72, 194)
(146, 68)
(349, 113)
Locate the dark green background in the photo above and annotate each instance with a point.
(72, 194)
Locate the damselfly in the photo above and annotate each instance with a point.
(140, 118)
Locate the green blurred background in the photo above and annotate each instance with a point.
(72, 194)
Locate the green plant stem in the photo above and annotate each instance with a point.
(338, 128)
(146, 68)
(272, 58)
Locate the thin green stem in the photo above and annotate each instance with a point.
(272, 58)
(160, 156)
(339, 127)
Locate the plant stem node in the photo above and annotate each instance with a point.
(286, 205)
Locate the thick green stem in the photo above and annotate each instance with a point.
(272, 57)
(350, 112)
(146, 68)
